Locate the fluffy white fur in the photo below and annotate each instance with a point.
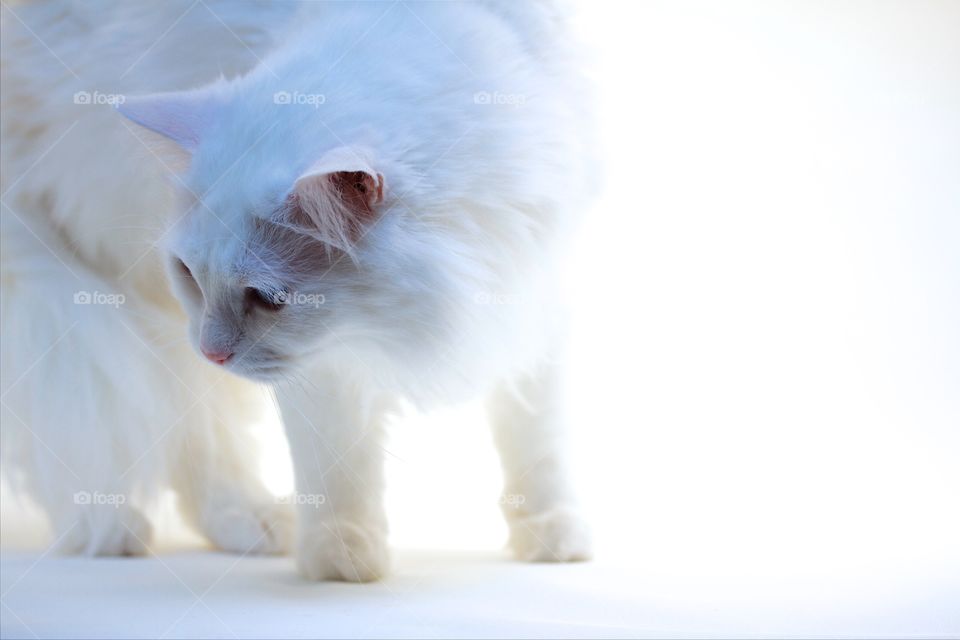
(388, 231)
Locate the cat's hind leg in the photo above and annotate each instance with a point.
(537, 501)
(79, 397)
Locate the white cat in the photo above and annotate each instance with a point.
(370, 209)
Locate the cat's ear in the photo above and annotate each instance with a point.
(338, 197)
(181, 116)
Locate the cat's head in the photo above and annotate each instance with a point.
(282, 249)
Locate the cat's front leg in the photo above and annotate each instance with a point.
(537, 501)
(334, 433)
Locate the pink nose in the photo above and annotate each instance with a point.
(217, 357)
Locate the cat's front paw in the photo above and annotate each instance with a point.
(107, 531)
(556, 535)
(261, 529)
(342, 550)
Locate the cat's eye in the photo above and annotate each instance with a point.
(266, 300)
(183, 279)
(183, 269)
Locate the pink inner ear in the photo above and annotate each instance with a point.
(359, 190)
(337, 206)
